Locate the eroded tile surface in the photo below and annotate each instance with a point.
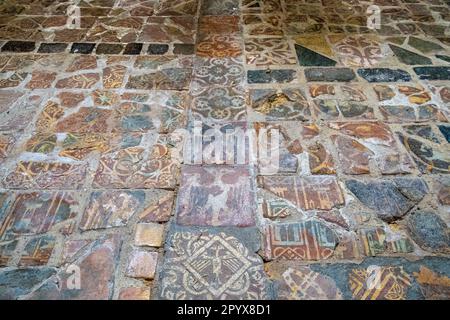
(224, 149)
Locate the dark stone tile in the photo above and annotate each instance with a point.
(427, 155)
(109, 48)
(133, 48)
(19, 46)
(445, 130)
(183, 48)
(424, 131)
(52, 47)
(429, 231)
(156, 48)
(330, 74)
(444, 58)
(310, 58)
(408, 57)
(84, 48)
(17, 282)
(220, 7)
(270, 76)
(423, 45)
(384, 75)
(433, 73)
(390, 199)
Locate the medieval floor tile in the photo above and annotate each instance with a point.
(97, 264)
(390, 199)
(268, 51)
(218, 24)
(19, 46)
(286, 104)
(134, 168)
(429, 231)
(271, 76)
(46, 175)
(142, 264)
(168, 29)
(150, 109)
(37, 251)
(149, 234)
(215, 196)
(218, 46)
(211, 266)
(220, 8)
(307, 193)
(308, 240)
(218, 104)
(218, 71)
(39, 212)
(134, 293)
(302, 283)
(330, 74)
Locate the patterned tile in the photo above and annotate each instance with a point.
(310, 240)
(307, 193)
(214, 71)
(46, 175)
(218, 104)
(39, 212)
(262, 24)
(268, 51)
(168, 29)
(134, 168)
(165, 112)
(218, 46)
(215, 196)
(286, 104)
(357, 51)
(211, 266)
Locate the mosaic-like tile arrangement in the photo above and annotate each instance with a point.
(95, 170)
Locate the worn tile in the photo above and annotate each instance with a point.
(268, 51)
(286, 104)
(142, 264)
(308, 193)
(39, 212)
(218, 104)
(215, 196)
(309, 240)
(218, 46)
(217, 71)
(215, 266)
(149, 234)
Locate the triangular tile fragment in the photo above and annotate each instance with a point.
(409, 57)
(310, 58)
(315, 43)
(442, 57)
(423, 45)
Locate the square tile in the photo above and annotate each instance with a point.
(218, 46)
(205, 265)
(269, 51)
(214, 71)
(39, 212)
(218, 104)
(216, 196)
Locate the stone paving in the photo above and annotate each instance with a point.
(97, 200)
